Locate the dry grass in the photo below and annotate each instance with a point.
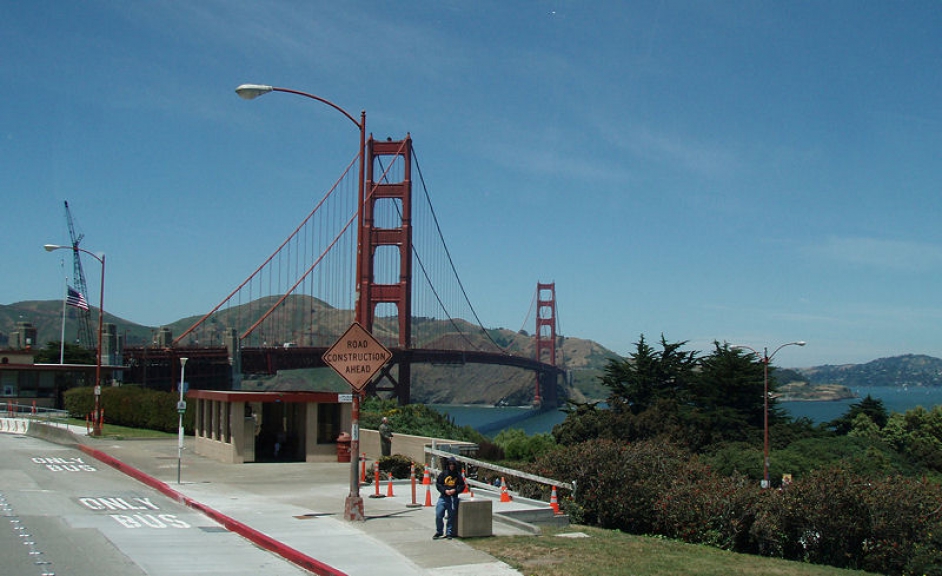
(608, 552)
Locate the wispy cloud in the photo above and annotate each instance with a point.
(899, 255)
(705, 159)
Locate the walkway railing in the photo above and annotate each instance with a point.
(34, 412)
(503, 470)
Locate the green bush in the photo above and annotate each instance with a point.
(617, 485)
(708, 508)
(835, 516)
(520, 447)
(131, 405)
(399, 466)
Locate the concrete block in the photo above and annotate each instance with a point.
(475, 518)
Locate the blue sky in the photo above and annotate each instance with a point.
(751, 172)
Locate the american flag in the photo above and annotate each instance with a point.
(76, 299)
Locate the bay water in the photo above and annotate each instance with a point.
(490, 420)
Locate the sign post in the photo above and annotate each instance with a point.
(357, 356)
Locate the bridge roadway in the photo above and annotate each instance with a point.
(207, 367)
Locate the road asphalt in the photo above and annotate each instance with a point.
(296, 510)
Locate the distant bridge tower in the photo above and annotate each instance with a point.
(389, 185)
(545, 336)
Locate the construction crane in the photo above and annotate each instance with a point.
(85, 337)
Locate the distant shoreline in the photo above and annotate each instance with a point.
(804, 392)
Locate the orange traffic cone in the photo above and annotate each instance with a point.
(376, 481)
(504, 495)
(389, 488)
(467, 485)
(428, 493)
(426, 479)
(554, 503)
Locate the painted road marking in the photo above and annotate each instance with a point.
(56, 464)
(133, 521)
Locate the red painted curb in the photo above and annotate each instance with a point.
(231, 524)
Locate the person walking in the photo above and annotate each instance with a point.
(450, 484)
(385, 437)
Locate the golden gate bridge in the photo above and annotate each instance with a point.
(371, 250)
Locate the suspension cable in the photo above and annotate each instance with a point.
(448, 254)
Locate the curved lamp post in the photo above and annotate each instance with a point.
(96, 421)
(765, 358)
(353, 507)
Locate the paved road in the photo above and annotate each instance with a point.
(62, 512)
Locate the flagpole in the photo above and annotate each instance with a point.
(65, 299)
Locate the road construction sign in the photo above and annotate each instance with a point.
(357, 356)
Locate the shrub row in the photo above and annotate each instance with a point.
(132, 406)
(890, 525)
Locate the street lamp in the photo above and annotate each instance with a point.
(353, 506)
(765, 358)
(96, 421)
(181, 408)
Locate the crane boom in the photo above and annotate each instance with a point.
(85, 325)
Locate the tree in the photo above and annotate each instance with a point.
(728, 392)
(917, 434)
(870, 407)
(74, 354)
(647, 376)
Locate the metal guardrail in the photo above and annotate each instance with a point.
(433, 451)
(31, 412)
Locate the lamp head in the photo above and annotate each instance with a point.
(252, 91)
(800, 343)
(51, 247)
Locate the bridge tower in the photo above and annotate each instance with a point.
(389, 187)
(545, 336)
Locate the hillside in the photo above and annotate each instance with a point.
(907, 370)
(445, 384)
(480, 384)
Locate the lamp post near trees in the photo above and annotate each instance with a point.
(765, 358)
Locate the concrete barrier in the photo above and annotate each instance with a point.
(14, 425)
(59, 435)
(475, 518)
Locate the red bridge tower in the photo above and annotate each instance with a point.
(545, 330)
(389, 182)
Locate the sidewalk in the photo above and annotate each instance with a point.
(297, 508)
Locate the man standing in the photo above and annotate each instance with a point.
(385, 437)
(450, 484)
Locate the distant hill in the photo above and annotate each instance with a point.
(431, 384)
(908, 370)
(480, 384)
(46, 317)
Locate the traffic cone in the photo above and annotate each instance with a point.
(426, 480)
(428, 493)
(363, 469)
(464, 476)
(412, 504)
(376, 481)
(389, 488)
(554, 503)
(504, 495)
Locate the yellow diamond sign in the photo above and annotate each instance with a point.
(357, 356)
